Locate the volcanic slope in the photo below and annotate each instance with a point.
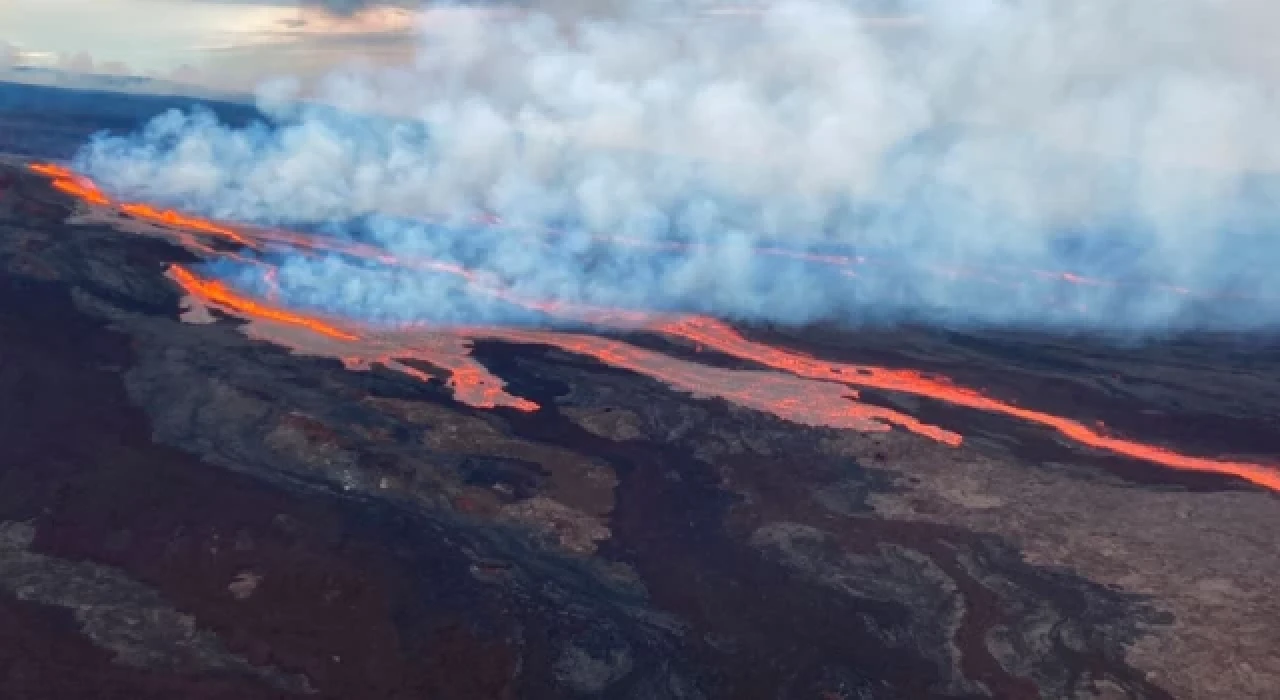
(819, 397)
(366, 527)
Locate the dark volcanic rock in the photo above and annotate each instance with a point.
(120, 615)
(192, 513)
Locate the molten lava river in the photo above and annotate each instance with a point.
(790, 385)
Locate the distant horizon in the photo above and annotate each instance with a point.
(125, 84)
(219, 45)
(236, 44)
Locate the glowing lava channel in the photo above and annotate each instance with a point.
(808, 390)
(792, 398)
(81, 187)
(471, 382)
(713, 334)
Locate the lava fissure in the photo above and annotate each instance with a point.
(719, 336)
(797, 399)
(799, 388)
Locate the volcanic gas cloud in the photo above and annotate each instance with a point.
(1088, 164)
(543, 177)
(790, 385)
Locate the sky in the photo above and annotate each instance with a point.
(219, 43)
(238, 45)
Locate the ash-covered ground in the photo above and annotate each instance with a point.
(186, 512)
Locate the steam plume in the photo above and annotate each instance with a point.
(348, 8)
(973, 152)
(9, 55)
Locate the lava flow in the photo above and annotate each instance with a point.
(710, 333)
(258, 238)
(70, 183)
(358, 348)
(799, 388)
(792, 398)
(219, 294)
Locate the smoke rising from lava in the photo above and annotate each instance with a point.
(1120, 141)
(804, 389)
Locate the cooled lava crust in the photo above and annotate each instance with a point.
(186, 511)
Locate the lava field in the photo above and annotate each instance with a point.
(208, 493)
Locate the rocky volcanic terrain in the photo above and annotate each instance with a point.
(186, 512)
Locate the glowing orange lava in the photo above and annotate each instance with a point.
(359, 348)
(719, 336)
(50, 170)
(808, 390)
(792, 398)
(219, 294)
(168, 217)
(70, 183)
(817, 403)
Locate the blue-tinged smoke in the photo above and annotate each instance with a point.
(1096, 164)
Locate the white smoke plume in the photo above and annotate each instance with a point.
(9, 55)
(968, 148)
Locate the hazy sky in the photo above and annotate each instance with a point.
(236, 42)
(234, 45)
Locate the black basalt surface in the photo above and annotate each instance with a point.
(186, 512)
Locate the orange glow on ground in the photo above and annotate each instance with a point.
(219, 294)
(70, 183)
(800, 388)
(713, 334)
(50, 170)
(796, 399)
(792, 398)
(168, 217)
(358, 348)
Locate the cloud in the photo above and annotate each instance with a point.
(83, 62)
(350, 7)
(9, 55)
(78, 62)
(340, 8)
(989, 139)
